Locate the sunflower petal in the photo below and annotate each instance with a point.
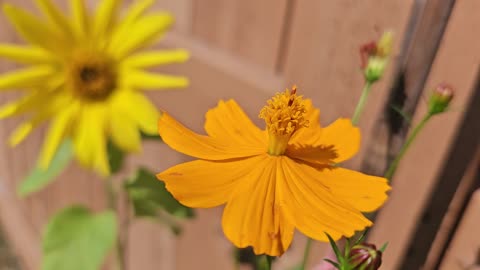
(312, 207)
(25, 55)
(155, 58)
(31, 28)
(58, 129)
(27, 77)
(198, 183)
(105, 16)
(142, 32)
(136, 106)
(21, 132)
(151, 81)
(190, 143)
(254, 215)
(89, 139)
(124, 132)
(22, 105)
(134, 12)
(79, 18)
(55, 16)
(365, 192)
(229, 122)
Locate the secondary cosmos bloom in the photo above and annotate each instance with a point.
(84, 73)
(275, 180)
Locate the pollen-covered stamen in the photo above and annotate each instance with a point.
(91, 75)
(283, 114)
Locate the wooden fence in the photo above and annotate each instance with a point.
(250, 49)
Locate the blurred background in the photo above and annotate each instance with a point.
(248, 50)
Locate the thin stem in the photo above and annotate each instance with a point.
(112, 205)
(306, 254)
(361, 102)
(264, 262)
(393, 166)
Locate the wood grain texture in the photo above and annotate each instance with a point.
(249, 29)
(454, 214)
(464, 250)
(457, 63)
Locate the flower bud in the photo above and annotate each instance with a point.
(375, 56)
(440, 99)
(365, 256)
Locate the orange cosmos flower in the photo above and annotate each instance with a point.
(276, 180)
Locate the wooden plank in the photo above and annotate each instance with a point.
(249, 29)
(449, 178)
(456, 62)
(323, 54)
(454, 214)
(427, 24)
(322, 58)
(463, 252)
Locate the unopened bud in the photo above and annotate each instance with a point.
(440, 99)
(365, 257)
(374, 56)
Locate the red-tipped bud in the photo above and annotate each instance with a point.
(365, 256)
(440, 99)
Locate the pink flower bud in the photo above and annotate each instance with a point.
(440, 99)
(365, 256)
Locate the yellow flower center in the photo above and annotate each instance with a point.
(284, 115)
(91, 75)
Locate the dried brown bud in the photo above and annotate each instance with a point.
(365, 256)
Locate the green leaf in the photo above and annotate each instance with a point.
(115, 157)
(338, 254)
(40, 178)
(403, 114)
(77, 239)
(333, 263)
(149, 196)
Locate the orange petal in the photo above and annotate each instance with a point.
(364, 192)
(203, 183)
(340, 137)
(254, 216)
(311, 205)
(190, 143)
(229, 122)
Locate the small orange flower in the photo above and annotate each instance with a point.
(276, 180)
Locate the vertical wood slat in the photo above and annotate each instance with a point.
(249, 29)
(464, 251)
(462, 152)
(456, 62)
(428, 21)
(454, 214)
(322, 58)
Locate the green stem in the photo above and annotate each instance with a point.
(306, 254)
(112, 205)
(361, 102)
(264, 262)
(393, 166)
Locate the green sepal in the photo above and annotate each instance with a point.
(40, 178)
(384, 247)
(77, 239)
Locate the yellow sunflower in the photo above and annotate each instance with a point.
(84, 73)
(276, 180)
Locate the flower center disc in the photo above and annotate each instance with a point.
(283, 114)
(92, 76)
